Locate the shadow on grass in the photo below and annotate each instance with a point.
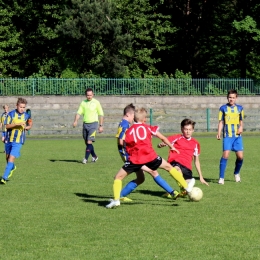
(88, 198)
(76, 161)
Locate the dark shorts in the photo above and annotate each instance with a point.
(153, 165)
(89, 131)
(187, 173)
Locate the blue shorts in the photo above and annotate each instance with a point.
(234, 144)
(13, 149)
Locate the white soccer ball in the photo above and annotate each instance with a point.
(196, 194)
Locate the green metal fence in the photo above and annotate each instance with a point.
(101, 86)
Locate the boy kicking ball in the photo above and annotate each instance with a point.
(138, 142)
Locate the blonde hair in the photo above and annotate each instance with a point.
(4, 106)
(140, 114)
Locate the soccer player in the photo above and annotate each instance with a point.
(139, 148)
(93, 117)
(2, 120)
(17, 121)
(189, 150)
(230, 124)
(124, 125)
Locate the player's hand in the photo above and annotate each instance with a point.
(174, 149)
(100, 129)
(218, 137)
(74, 124)
(203, 181)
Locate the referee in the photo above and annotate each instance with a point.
(93, 118)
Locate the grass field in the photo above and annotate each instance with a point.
(53, 208)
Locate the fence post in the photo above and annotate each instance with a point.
(208, 119)
(151, 116)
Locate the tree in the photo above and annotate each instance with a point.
(93, 39)
(10, 45)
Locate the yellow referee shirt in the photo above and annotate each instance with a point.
(90, 110)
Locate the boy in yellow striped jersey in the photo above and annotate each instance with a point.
(2, 122)
(230, 123)
(16, 122)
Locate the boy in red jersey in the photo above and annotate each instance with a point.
(189, 150)
(139, 148)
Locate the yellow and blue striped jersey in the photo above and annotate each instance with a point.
(231, 116)
(16, 134)
(2, 120)
(121, 130)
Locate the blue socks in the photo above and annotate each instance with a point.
(222, 167)
(8, 169)
(238, 166)
(130, 186)
(162, 183)
(88, 150)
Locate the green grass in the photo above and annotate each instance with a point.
(53, 208)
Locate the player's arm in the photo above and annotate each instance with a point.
(240, 128)
(77, 116)
(101, 122)
(197, 165)
(29, 124)
(220, 127)
(166, 141)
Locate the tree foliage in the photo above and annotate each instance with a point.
(130, 39)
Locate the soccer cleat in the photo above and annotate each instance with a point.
(94, 159)
(11, 172)
(183, 193)
(175, 194)
(3, 181)
(113, 204)
(125, 199)
(167, 195)
(190, 185)
(221, 181)
(84, 161)
(237, 177)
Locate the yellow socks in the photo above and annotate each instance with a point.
(117, 187)
(178, 177)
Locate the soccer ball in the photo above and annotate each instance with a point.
(196, 194)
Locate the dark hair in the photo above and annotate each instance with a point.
(232, 91)
(187, 121)
(129, 108)
(88, 89)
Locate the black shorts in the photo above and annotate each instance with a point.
(130, 167)
(187, 173)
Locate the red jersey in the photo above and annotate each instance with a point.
(187, 148)
(138, 141)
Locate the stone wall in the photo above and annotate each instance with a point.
(55, 114)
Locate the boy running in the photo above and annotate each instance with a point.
(15, 123)
(189, 150)
(230, 123)
(139, 148)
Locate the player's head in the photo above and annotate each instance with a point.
(6, 108)
(21, 104)
(89, 93)
(129, 112)
(140, 115)
(232, 97)
(187, 127)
